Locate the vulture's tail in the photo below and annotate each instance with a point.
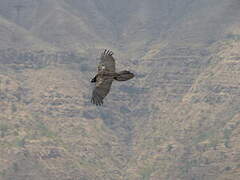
(124, 76)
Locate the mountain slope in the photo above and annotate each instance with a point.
(177, 119)
(13, 36)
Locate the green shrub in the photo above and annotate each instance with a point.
(43, 129)
(3, 129)
(20, 142)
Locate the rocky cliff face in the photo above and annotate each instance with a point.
(177, 119)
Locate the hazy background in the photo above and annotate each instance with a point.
(178, 119)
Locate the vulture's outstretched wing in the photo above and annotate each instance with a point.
(107, 62)
(101, 89)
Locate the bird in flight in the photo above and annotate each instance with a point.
(105, 76)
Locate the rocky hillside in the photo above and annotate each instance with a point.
(179, 118)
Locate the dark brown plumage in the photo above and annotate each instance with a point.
(105, 76)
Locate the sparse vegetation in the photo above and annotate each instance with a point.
(235, 37)
(20, 141)
(146, 173)
(43, 130)
(177, 119)
(227, 134)
(2, 173)
(4, 129)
